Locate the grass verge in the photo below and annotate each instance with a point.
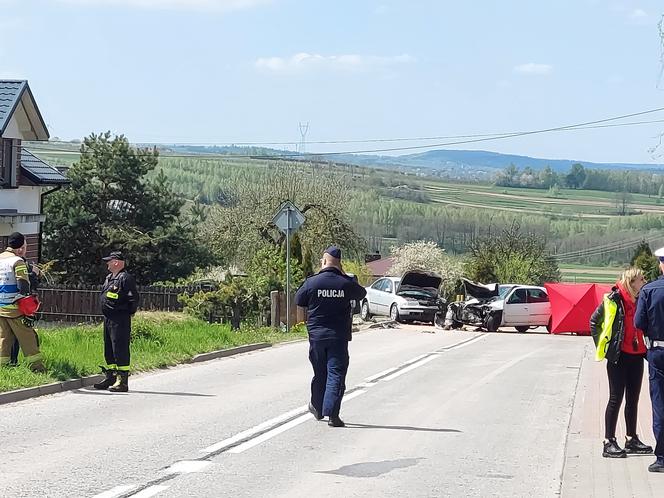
(158, 340)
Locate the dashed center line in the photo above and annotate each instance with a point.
(254, 436)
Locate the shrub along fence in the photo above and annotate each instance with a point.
(67, 303)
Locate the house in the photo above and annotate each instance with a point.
(381, 267)
(24, 178)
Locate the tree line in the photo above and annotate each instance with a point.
(578, 177)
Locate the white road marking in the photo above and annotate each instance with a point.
(116, 491)
(283, 428)
(151, 491)
(255, 430)
(381, 374)
(187, 466)
(413, 366)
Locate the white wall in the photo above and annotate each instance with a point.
(23, 199)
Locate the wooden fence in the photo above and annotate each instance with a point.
(69, 303)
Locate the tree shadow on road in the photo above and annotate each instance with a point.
(399, 428)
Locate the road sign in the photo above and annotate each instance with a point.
(289, 218)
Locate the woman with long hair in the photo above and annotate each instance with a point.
(622, 345)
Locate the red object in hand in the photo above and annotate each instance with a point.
(28, 306)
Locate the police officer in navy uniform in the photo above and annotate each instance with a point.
(119, 301)
(327, 297)
(649, 317)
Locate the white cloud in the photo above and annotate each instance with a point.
(304, 62)
(532, 68)
(638, 14)
(216, 5)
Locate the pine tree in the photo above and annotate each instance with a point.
(113, 204)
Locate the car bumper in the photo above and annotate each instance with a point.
(426, 314)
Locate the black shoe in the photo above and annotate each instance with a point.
(336, 422)
(121, 384)
(635, 446)
(314, 412)
(612, 450)
(108, 381)
(656, 467)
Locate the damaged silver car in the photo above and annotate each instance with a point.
(415, 296)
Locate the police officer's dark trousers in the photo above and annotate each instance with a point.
(656, 376)
(117, 330)
(329, 358)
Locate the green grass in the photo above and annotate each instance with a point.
(158, 340)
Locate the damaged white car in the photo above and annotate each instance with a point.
(415, 296)
(494, 306)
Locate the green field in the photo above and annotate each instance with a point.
(571, 204)
(590, 274)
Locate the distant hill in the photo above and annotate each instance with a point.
(461, 163)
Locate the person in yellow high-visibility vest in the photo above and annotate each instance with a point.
(623, 346)
(14, 285)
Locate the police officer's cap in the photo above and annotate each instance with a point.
(333, 251)
(114, 255)
(659, 254)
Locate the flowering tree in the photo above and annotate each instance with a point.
(427, 256)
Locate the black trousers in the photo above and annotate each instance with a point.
(329, 360)
(625, 378)
(656, 378)
(117, 332)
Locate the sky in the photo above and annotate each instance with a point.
(228, 71)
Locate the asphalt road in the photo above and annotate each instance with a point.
(428, 414)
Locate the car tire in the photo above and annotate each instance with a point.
(549, 326)
(394, 313)
(522, 328)
(364, 311)
(493, 322)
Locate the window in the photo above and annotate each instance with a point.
(389, 286)
(9, 163)
(537, 296)
(518, 297)
(378, 284)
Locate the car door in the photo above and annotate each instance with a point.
(387, 296)
(374, 294)
(539, 307)
(515, 309)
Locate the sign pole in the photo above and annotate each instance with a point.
(288, 232)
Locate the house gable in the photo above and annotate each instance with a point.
(19, 115)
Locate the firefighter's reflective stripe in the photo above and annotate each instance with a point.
(112, 367)
(34, 358)
(9, 269)
(124, 368)
(610, 311)
(112, 295)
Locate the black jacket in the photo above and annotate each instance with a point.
(327, 296)
(597, 320)
(649, 315)
(119, 295)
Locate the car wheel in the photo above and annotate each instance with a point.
(549, 326)
(521, 329)
(364, 311)
(394, 313)
(493, 322)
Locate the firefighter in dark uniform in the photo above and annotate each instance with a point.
(649, 317)
(327, 297)
(119, 301)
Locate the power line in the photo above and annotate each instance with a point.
(480, 138)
